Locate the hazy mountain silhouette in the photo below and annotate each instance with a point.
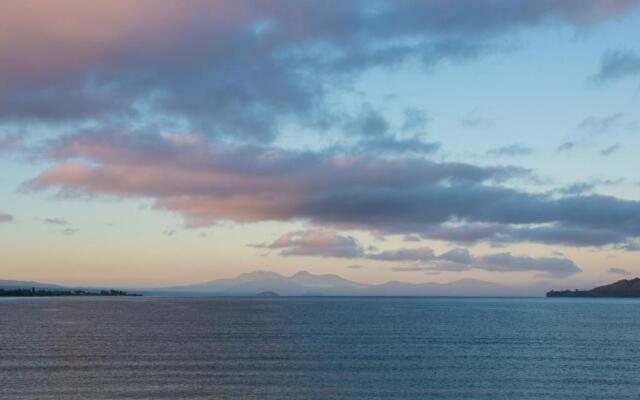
(11, 284)
(305, 283)
(328, 281)
(463, 287)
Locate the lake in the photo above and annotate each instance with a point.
(319, 348)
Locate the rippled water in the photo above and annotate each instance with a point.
(319, 348)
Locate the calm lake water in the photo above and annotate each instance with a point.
(319, 348)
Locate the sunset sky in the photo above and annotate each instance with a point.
(158, 142)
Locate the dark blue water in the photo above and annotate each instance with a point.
(319, 348)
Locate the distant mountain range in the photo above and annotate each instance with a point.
(9, 284)
(304, 283)
(622, 288)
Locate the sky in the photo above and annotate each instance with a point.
(159, 142)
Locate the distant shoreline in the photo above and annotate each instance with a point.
(626, 288)
(35, 292)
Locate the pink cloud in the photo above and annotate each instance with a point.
(318, 242)
(205, 61)
(4, 217)
(46, 39)
(207, 180)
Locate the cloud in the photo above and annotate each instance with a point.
(619, 271)
(207, 181)
(587, 186)
(607, 151)
(577, 188)
(353, 266)
(566, 146)
(513, 150)
(374, 135)
(4, 217)
(9, 143)
(460, 260)
(412, 238)
(465, 233)
(630, 245)
(418, 254)
(475, 121)
(600, 125)
(211, 180)
(507, 262)
(324, 243)
(407, 268)
(368, 123)
(145, 58)
(458, 256)
(56, 221)
(618, 64)
(316, 243)
(594, 126)
(414, 119)
(390, 145)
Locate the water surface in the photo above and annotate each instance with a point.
(319, 348)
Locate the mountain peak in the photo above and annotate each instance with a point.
(303, 282)
(258, 275)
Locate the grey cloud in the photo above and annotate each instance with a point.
(619, 271)
(612, 123)
(390, 145)
(458, 256)
(463, 233)
(407, 268)
(474, 203)
(331, 244)
(566, 235)
(460, 260)
(587, 186)
(595, 124)
(419, 254)
(375, 136)
(208, 181)
(414, 119)
(506, 262)
(607, 151)
(618, 64)
(56, 221)
(324, 243)
(577, 188)
(368, 123)
(566, 146)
